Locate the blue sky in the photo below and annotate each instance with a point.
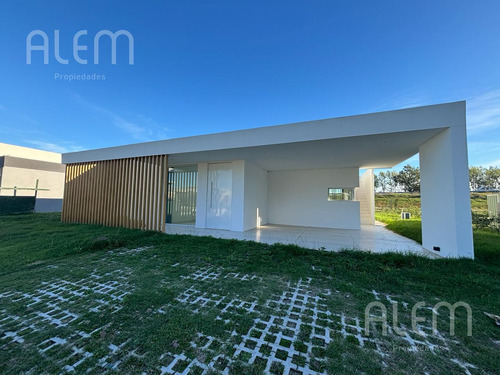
(209, 66)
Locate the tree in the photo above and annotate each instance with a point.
(481, 178)
(384, 181)
(476, 178)
(408, 179)
(492, 178)
(377, 182)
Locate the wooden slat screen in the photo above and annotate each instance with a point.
(130, 193)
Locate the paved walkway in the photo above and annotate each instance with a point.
(373, 238)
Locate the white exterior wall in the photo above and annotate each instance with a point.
(444, 187)
(365, 194)
(249, 193)
(26, 178)
(255, 213)
(299, 197)
(238, 197)
(201, 195)
(47, 201)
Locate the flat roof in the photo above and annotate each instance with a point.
(376, 140)
(29, 153)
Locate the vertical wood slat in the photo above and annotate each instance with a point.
(137, 185)
(65, 209)
(140, 194)
(152, 199)
(69, 191)
(100, 189)
(73, 192)
(115, 194)
(120, 204)
(145, 196)
(95, 193)
(157, 190)
(164, 186)
(107, 189)
(130, 193)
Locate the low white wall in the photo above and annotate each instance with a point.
(48, 205)
(299, 197)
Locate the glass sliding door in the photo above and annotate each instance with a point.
(182, 190)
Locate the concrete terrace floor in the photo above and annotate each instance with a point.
(372, 238)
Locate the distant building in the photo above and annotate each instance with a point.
(23, 170)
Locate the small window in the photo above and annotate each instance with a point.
(340, 194)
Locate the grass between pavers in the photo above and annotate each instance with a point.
(142, 301)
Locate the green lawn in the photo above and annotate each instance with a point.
(486, 242)
(396, 202)
(91, 299)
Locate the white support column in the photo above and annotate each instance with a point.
(365, 194)
(201, 195)
(238, 197)
(446, 209)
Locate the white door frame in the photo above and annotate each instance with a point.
(219, 196)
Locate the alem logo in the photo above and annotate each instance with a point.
(77, 48)
(369, 318)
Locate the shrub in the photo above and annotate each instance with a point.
(484, 221)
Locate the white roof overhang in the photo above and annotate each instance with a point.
(376, 140)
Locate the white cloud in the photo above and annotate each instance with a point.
(28, 119)
(150, 131)
(495, 163)
(403, 100)
(483, 152)
(483, 112)
(48, 146)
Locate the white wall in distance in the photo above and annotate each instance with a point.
(299, 197)
(26, 178)
(29, 153)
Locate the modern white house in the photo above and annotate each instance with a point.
(303, 174)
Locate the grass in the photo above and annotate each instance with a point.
(396, 202)
(139, 302)
(486, 242)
